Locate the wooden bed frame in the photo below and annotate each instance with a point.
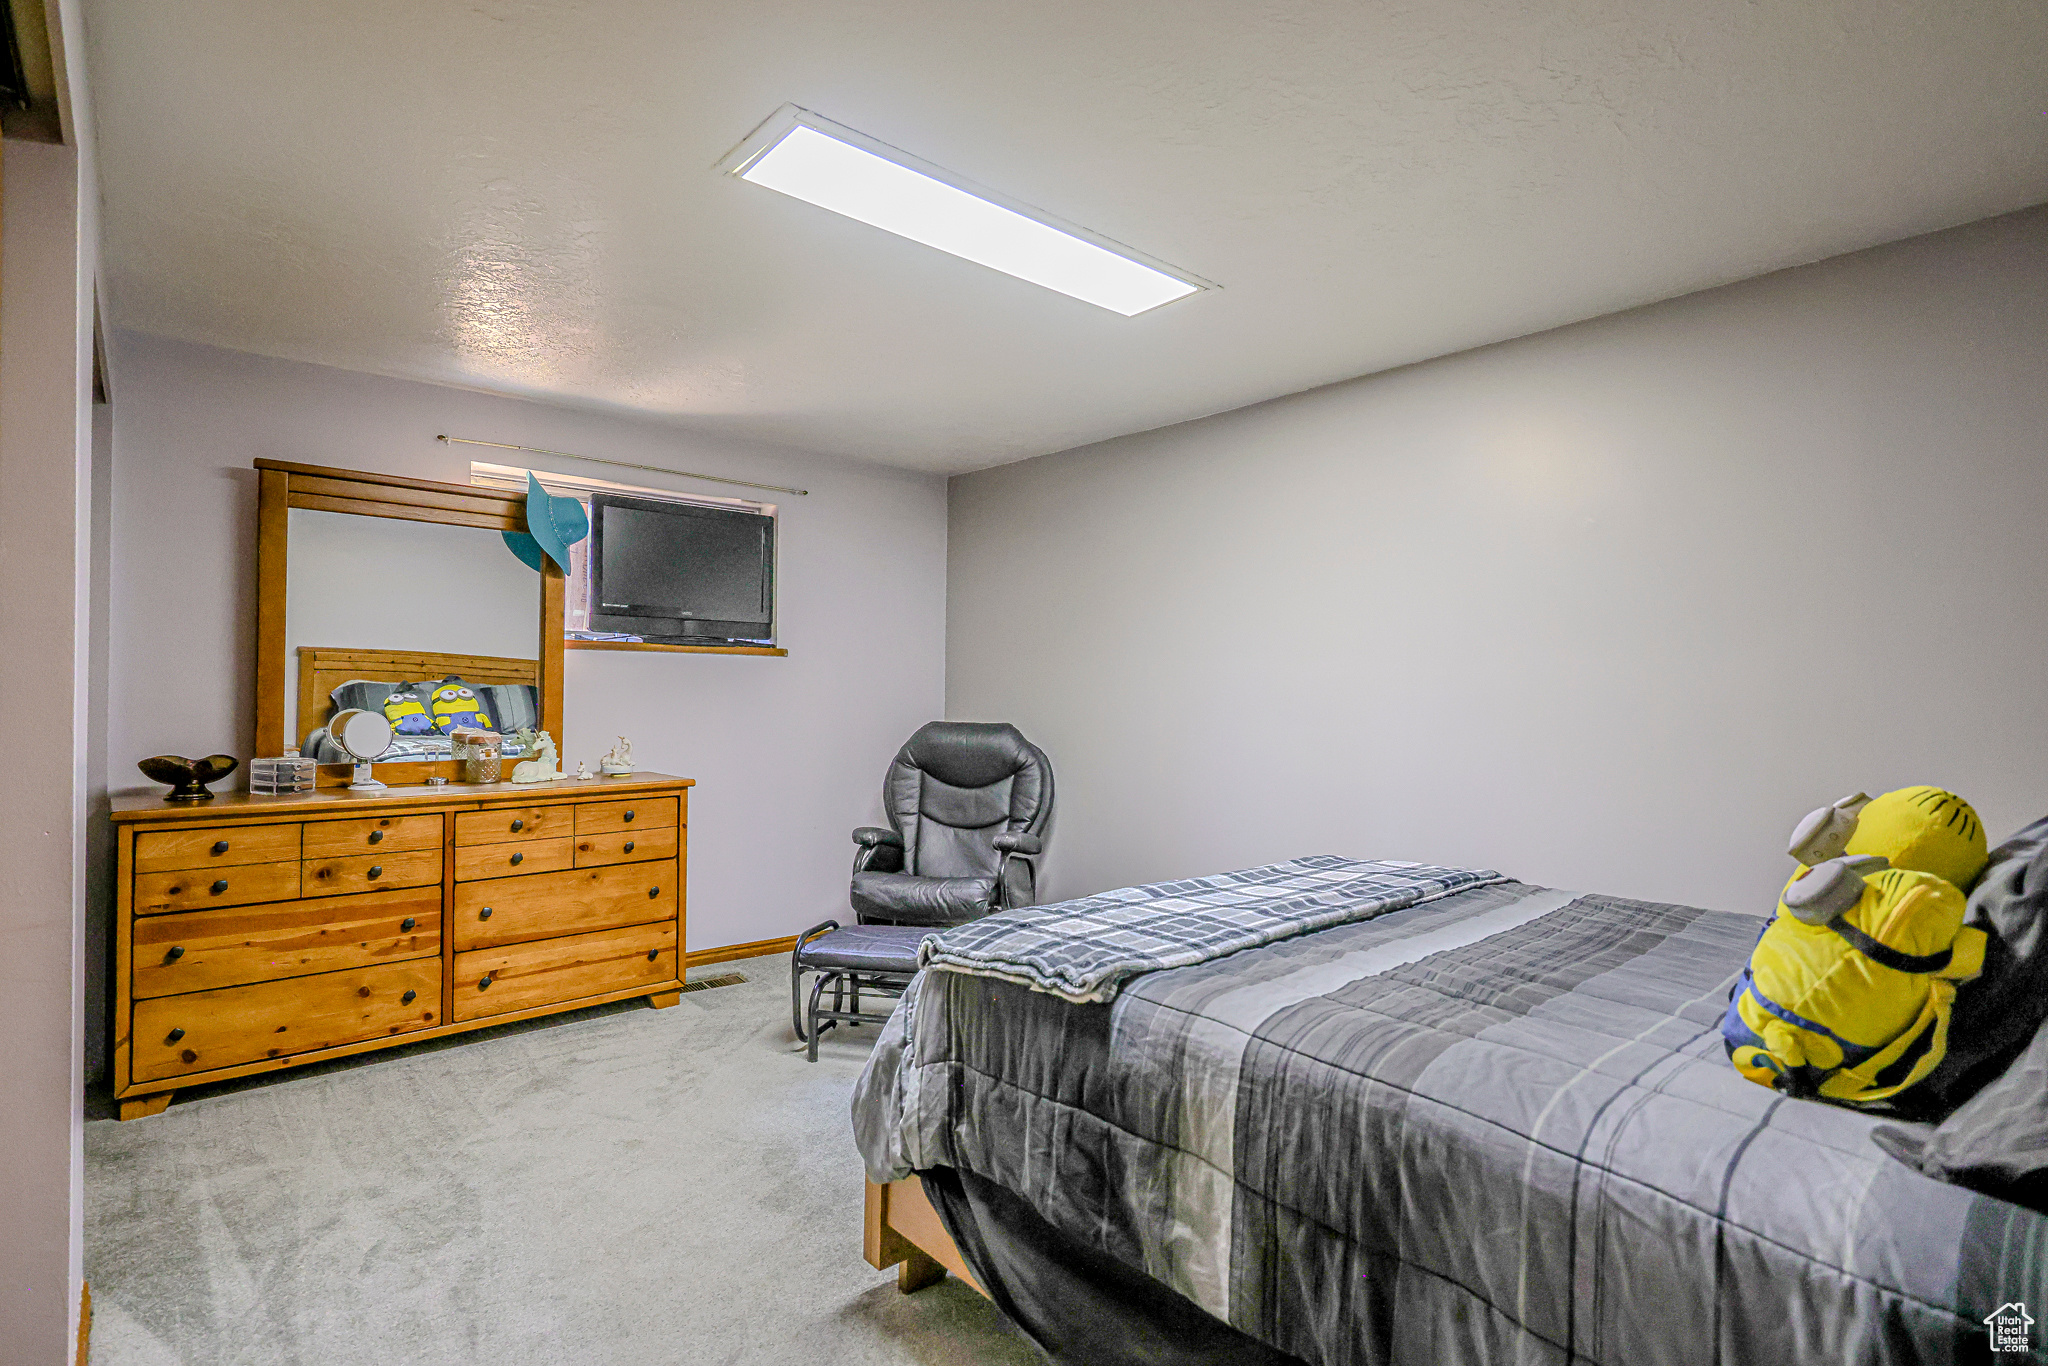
(903, 1230)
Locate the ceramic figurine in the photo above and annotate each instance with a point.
(583, 773)
(619, 761)
(543, 766)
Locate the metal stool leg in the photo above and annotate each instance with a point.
(817, 990)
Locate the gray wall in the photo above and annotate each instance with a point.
(1605, 608)
(788, 753)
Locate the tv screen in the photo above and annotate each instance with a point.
(678, 570)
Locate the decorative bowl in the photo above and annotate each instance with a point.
(188, 777)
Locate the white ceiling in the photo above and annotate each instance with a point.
(518, 195)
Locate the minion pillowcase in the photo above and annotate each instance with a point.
(1848, 992)
(405, 711)
(456, 705)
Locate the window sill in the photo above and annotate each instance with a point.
(674, 649)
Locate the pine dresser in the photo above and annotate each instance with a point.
(255, 933)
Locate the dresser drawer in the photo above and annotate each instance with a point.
(197, 888)
(509, 910)
(629, 846)
(379, 835)
(202, 950)
(507, 860)
(163, 851)
(177, 1035)
(366, 872)
(602, 818)
(514, 823)
(550, 971)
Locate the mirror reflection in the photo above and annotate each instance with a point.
(435, 626)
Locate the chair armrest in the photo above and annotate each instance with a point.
(1019, 844)
(868, 836)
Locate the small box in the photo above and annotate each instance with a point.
(290, 773)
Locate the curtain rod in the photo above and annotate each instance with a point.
(629, 465)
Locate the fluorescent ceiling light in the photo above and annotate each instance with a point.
(822, 163)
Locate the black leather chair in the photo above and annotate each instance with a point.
(968, 803)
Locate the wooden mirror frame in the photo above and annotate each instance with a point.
(282, 487)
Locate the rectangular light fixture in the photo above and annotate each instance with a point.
(824, 163)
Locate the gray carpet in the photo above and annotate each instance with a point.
(623, 1185)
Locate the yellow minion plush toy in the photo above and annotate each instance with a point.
(455, 705)
(1848, 992)
(406, 713)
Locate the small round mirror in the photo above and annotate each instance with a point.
(363, 736)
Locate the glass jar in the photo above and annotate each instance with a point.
(481, 756)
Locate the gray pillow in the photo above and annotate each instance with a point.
(362, 693)
(1997, 1142)
(511, 706)
(1997, 1012)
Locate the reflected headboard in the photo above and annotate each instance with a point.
(322, 670)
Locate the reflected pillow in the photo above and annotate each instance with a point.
(406, 710)
(512, 706)
(455, 705)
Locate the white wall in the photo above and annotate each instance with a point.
(1606, 608)
(788, 753)
(46, 268)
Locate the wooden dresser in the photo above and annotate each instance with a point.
(254, 933)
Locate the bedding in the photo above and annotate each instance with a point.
(1493, 1126)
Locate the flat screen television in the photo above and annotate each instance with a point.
(681, 573)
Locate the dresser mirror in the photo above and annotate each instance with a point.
(398, 595)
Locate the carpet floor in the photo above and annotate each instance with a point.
(619, 1185)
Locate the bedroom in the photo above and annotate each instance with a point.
(1602, 435)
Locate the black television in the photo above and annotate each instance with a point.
(681, 573)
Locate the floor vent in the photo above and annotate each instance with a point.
(723, 979)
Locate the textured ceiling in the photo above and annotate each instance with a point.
(518, 195)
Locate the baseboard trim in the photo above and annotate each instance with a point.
(757, 949)
(84, 1322)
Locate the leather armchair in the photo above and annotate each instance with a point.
(968, 804)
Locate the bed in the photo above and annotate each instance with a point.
(332, 679)
(1491, 1124)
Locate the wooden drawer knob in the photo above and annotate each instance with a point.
(629, 846)
(484, 985)
(220, 846)
(376, 837)
(653, 892)
(518, 826)
(408, 998)
(174, 953)
(629, 815)
(518, 859)
(653, 954)
(219, 887)
(484, 914)
(407, 923)
(376, 870)
(174, 1036)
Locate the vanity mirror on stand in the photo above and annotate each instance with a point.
(261, 932)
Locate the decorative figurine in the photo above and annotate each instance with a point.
(619, 760)
(189, 777)
(543, 767)
(583, 773)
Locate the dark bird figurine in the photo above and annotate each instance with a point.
(188, 777)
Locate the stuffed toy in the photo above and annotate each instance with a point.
(1848, 992)
(406, 713)
(456, 705)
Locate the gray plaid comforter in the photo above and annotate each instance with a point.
(1496, 1127)
(1084, 950)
